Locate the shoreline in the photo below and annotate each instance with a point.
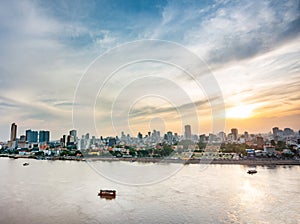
(247, 162)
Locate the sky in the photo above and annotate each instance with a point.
(79, 64)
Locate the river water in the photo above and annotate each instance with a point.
(66, 192)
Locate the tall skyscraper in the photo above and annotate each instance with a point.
(31, 136)
(234, 133)
(44, 136)
(187, 132)
(63, 140)
(73, 133)
(13, 132)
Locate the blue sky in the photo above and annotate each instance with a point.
(251, 48)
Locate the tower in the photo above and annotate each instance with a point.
(74, 134)
(187, 132)
(13, 132)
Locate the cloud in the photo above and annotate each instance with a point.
(250, 47)
(236, 30)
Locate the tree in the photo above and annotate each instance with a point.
(201, 145)
(281, 145)
(273, 142)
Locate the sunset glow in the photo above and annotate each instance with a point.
(250, 48)
(240, 111)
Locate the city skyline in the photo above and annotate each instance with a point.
(251, 49)
(39, 136)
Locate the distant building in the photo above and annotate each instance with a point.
(275, 132)
(44, 136)
(63, 141)
(111, 141)
(234, 132)
(269, 150)
(222, 136)
(246, 134)
(74, 134)
(202, 138)
(13, 132)
(31, 136)
(260, 141)
(70, 140)
(169, 137)
(140, 135)
(288, 132)
(212, 138)
(187, 132)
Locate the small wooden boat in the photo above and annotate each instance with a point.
(25, 164)
(252, 171)
(108, 194)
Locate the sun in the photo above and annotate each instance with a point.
(240, 111)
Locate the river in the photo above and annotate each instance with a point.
(66, 192)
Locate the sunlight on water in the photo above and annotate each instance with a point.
(251, 193)
(66, 192)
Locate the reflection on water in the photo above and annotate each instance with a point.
(250, 193)
(66, 192)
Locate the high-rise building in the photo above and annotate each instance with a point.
(44, 136)
(63, 140)
(187, 132)
(202, 138)
(31, 136)
(140, 135)
(111, 141)
(70, 140)
(169, 137)
(234, 132)
(275, 131)
(288, 131)
(13, 132)
(222, 136)
(74, 134)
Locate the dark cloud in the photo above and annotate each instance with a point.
(184, 107)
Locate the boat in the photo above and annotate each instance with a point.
(252, 171)
(25, 164)
(108, 194)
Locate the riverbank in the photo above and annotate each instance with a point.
(248, 162)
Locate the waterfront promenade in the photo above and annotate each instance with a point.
(249, 162)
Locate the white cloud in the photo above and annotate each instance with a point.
(45, 49)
